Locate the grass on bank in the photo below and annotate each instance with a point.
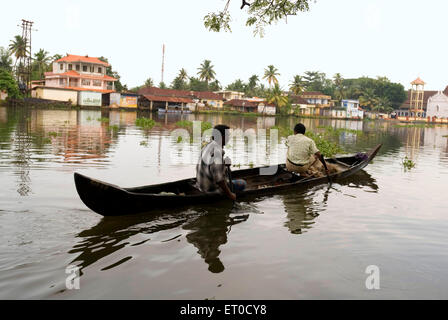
(145, 123)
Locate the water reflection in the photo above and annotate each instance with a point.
(208, 227)
(303, 208)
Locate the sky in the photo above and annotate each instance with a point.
(399, 39)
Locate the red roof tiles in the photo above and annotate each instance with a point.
(75, 58)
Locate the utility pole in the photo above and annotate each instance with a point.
(163, 60)
(23, 69)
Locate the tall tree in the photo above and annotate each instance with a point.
(237, 85)
(270, 74)
(9, 84)
(206, 72)
(369, 99)
(41, 62)
(149, 83)
(260, 14)
(5, 59)
(162, 85)
(18, 48)
(297, 85)
(339, 87)
(276, 96)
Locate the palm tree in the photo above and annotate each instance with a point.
(253, 80)
(270, 74)
(339, 86)
(297, 85)
(5, 59)
(18, 48)
(368, 99)
(183, 76)
(206, 72)
(149, 83)
(41, 60)
(276, 96)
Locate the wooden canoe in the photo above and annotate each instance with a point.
(111, 200)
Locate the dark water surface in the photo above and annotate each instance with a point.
(304, 243)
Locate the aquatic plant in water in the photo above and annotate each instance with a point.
(145, 123)
(407, 163)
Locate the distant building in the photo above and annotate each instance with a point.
(230, 95)
(316, 98)
(417, 101)
(80, 73)
(353, 110)
(437, 106)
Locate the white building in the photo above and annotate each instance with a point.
(437, 106)
(353, 109)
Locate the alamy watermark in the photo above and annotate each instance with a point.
(72, 280)
(373, 280)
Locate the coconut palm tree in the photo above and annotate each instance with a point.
(5, 59)
(276, 97)
(206, 72)
(270, 74)
(183, 76)
(41, 60)
(149, 83)
(253, 80)
(339, 86)
(18, 48)
(368, 99)
(297, 85)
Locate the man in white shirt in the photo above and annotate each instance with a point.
(303, 153)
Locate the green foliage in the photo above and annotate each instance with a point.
(414, 125)
(119, 87)
(237, 85)
(104, 120)
(114, 128)
(197, 85)
(276, 96)
(9, 84)
(162, 85)
(270, 75)
(5, 59)
(325, 146)
(260, 14)
(206, 72)
(145, 123)
(407, 164)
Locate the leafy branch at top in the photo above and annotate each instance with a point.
(261, 13)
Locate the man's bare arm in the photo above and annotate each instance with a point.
(225, 188)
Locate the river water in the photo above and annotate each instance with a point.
(313, 243)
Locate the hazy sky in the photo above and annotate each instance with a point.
(399, 39)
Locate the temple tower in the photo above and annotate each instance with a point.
(417, 98)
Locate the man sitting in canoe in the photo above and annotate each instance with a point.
(303, 154)
(211, 168)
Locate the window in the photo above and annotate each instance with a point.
(61, 66)
(97, 83)
(84, 68)
(78, 67)
(70, 67)
(85, 82)
(61, 82)
(100, 70)
(438, 108)
(92, 69)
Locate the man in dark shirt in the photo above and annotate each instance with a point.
(211, 168)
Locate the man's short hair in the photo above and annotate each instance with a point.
(299, 128)
(221, 128)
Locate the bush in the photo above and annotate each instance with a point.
(9, 85)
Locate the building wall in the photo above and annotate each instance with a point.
(88, 98)
(128, 101)
(266, 109)
(437, 106)
(57, 94)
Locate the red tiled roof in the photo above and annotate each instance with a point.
(418, 81)
(151, 97)
(298, 100)
(75, 58)
(241, 103)
(75, 74)
(207, 95)
(313, 93)
(203, 95)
